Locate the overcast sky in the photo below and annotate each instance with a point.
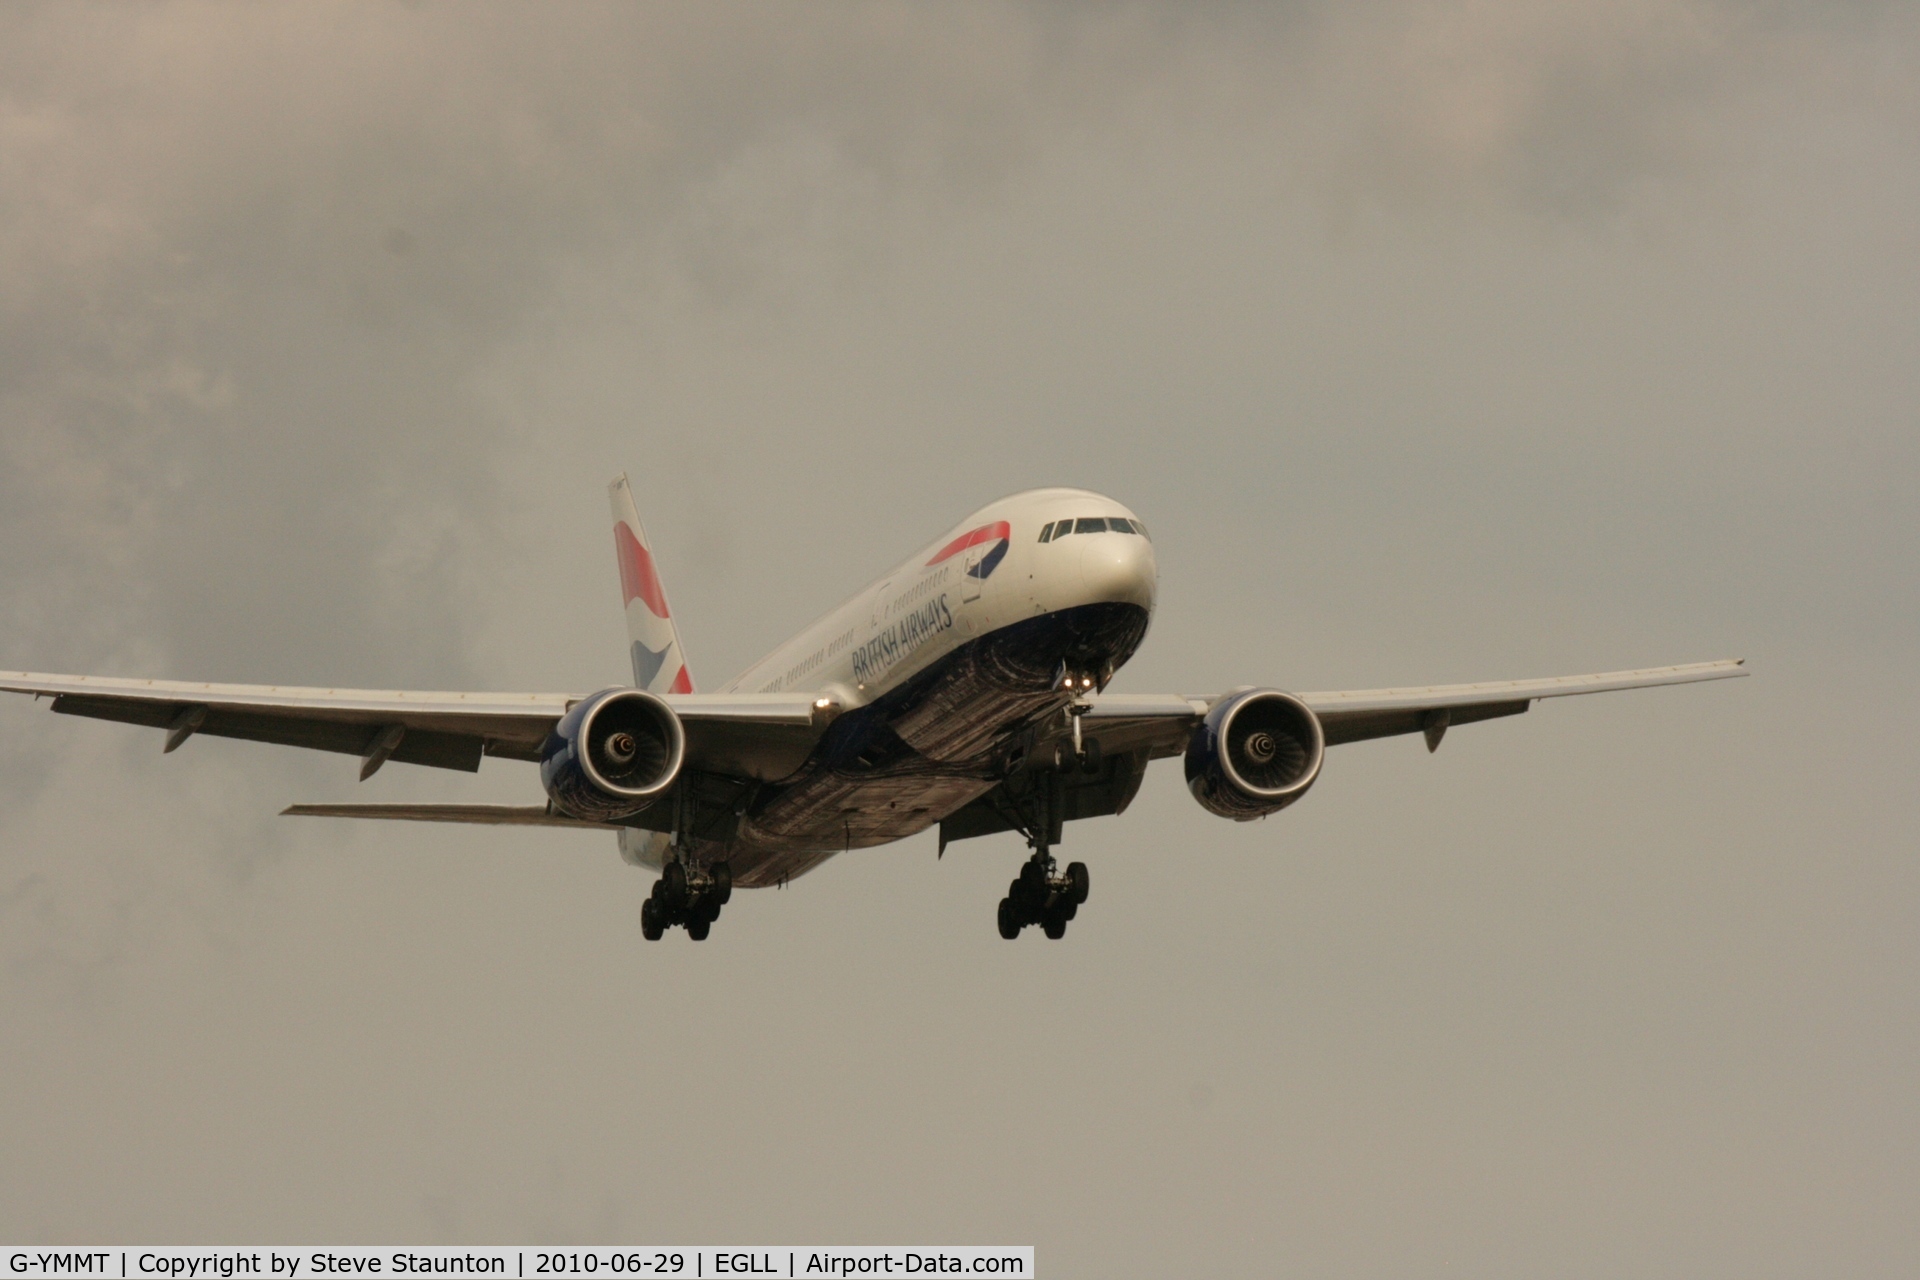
(1433, 341)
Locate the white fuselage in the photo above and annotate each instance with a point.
(934, 670)
(924, 609)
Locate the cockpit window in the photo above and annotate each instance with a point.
(1092, 524)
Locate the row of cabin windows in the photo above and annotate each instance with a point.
(1094, 524)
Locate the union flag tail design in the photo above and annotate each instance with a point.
(659, 663)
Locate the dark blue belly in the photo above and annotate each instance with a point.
(903, 762)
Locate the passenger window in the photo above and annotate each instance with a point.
(1097, 524)
(1046, 534)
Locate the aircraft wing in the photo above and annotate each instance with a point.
(751, 735)
(1161, 723)
(1133, 729)
(742, 735)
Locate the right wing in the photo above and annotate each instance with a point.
(745, 735)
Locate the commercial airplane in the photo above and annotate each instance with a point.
(964, 689)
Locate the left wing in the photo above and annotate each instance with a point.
(1161, 723)
(1133, 729)
(743, 734)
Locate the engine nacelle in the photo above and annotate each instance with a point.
(1254, 754)
(612, 755)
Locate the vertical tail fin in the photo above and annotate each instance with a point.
(659, 663)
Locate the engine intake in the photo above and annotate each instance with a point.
(1254, 754)
(612, 755)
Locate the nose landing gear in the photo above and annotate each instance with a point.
(692, 899)
(1042, 896)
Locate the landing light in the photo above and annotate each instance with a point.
(822, 704)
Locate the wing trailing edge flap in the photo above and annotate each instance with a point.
(1358, 726)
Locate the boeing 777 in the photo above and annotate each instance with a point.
(965, 689)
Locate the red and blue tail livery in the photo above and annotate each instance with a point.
(659, 663)
(639, 580)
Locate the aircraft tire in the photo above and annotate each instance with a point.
(674, 878)
(1078, 882)
(650, 926)
(1055, 926)
(1009, 923)
(699, 927)
(722, 883)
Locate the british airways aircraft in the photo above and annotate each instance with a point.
(965, 690)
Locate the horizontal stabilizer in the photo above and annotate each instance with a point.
(492, 815)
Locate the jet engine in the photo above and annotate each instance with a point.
(1254, 754)
(612, 755)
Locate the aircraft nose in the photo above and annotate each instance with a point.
(1118, 568)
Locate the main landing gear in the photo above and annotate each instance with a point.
(1040, 896)
(691, 899)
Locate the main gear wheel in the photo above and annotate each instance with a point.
(1040, 896)
(689, 898)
